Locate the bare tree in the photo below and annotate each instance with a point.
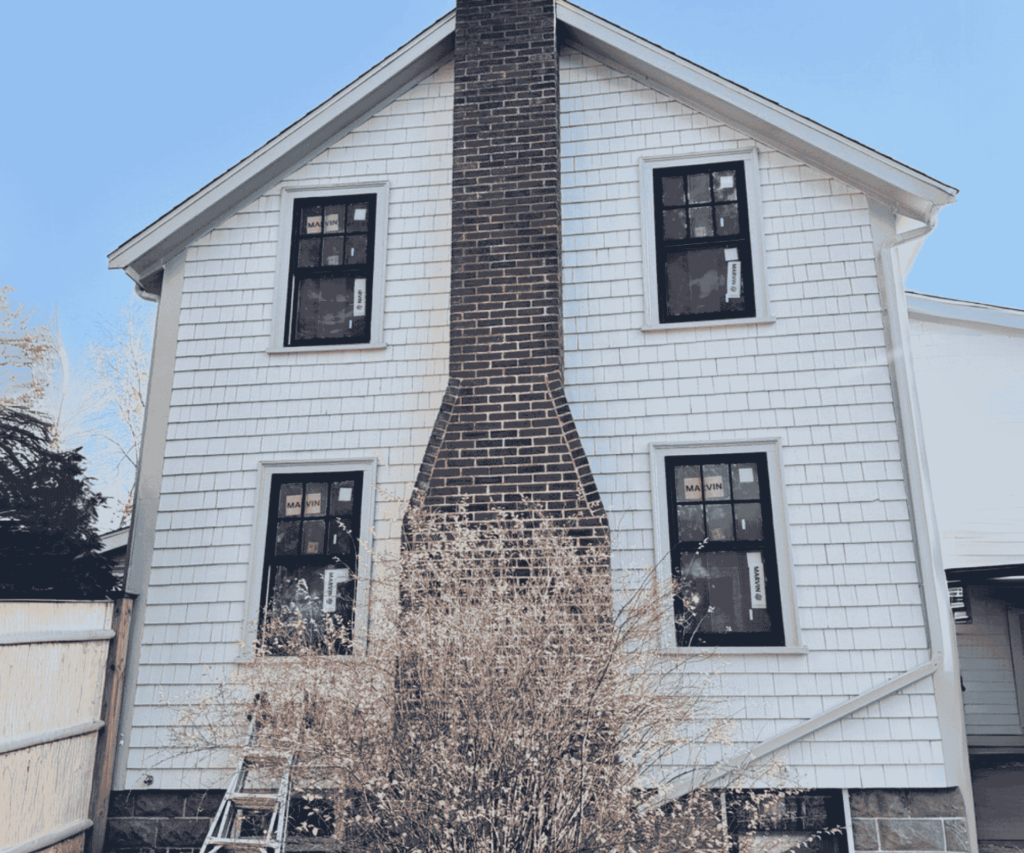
(120, 363)
(510, 699)
(27, 355)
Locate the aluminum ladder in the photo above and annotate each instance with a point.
(259, 806)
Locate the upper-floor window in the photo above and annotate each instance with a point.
(703, 243)
(703, 252)
(331, 271)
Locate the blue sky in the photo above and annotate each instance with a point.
(114, 112)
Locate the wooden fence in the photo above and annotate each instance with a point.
(61, 667)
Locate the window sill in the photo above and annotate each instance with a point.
(370, 347)
(703, 324)
(724, 651)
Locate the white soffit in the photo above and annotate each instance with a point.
(910, 192)
(147, 252)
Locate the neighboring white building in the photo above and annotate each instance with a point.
(968, 366)
(735, 340)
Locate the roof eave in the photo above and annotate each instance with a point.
(149, 250)
(908, 191)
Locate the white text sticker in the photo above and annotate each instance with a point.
(691, 488)
(732, 281)
(359, 298)
(313, 501)
(333, 578)
(293, 505)
(313, 224)
(756, 568)
(331, 223)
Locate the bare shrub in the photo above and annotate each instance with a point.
(510, 699)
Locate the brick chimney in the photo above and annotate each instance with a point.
(505, 433)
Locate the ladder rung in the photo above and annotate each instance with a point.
(250, 800)
(243, 843)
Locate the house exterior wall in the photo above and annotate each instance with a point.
(816, 379)
(971, 393)
(234, 406)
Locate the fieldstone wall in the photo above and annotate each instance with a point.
(901, 819)
(160, 821)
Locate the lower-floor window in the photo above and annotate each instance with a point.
(312, 551)
(724, 568)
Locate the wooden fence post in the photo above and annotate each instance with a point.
(106, 744)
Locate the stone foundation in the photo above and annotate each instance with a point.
(160, 821)
(901, 819)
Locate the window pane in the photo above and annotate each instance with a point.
(691, 522)
(307, 309)
(727, 219)
(688, 483)
(725, 185)
(716, 482)
(744, 481)
(720, 593)
(358, 217)
(316, 499)
(340, 542)
(313, 537)
(748, 521)
(674, 222)
(334, 248)
(297, 600)
(335, 308)
(312, 219)
(673, 191)
(720, 522)
(343, 493)
(309, 252)
(334, 218)
(699, 188)
(355, 249)
(287, 540)
(701, 222)
(289, 501)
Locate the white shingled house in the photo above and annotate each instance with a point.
(730, 362)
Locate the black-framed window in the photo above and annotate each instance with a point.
(330, 274)
(724, 565)
(702, 226)
(773, 822)
(312, 551)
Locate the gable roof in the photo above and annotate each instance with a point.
(909, 192)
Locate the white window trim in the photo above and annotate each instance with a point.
(289, 195)
(752, 177)
(772, 448)
(266, 470)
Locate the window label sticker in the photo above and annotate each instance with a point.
(293, 505)
(746, 475)
(344, 494)
(692, 489)
(313, 502)
(333, 578)
(359, 214)
(755, 566)
(732, 279)
(331, 223)
(313, 224)
(726, 182)
(359, 298)
(713, 487)
(732, 254)
(313, 547)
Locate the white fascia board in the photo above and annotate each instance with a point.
(148, 250)
(956, 312)
(909, 192)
